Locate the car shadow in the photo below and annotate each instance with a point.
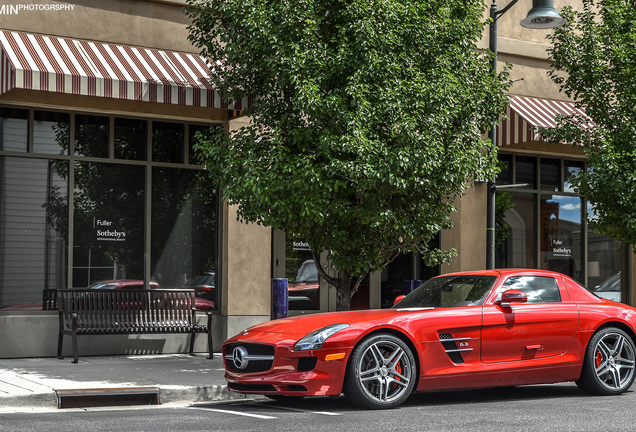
(443, 398)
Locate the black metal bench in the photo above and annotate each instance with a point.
(128, 311)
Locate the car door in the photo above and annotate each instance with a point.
(543, 327)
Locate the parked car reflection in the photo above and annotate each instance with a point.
(304, 290)
(610, 288)
(204, 285)
(200, 303)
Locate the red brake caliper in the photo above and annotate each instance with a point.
(398, 369)
(598, 358)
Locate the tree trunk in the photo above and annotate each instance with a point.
(344, 293)
(344, 289)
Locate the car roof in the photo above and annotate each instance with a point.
(506, 272)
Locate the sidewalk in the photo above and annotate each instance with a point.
(174, 378)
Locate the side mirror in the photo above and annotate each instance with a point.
(398, 299)
(511, 296)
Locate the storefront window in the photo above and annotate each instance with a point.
(515, 246)
(14, 129)
(183, 245)
(526, 171)
(51, 132)
(604, 267)
(167, 142)
(33, 236)
(131, 138)
(561, 235)
(130, 218)
(505, 173)
(570, 168)
(550, 174)
(91, 136)
(301, 274)
(109, 202)
(193, 155)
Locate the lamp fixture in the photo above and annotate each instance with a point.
(543, 15)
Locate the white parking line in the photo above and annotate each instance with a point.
(235, 413)
(306, 411)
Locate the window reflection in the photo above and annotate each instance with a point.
(550, 174)
(561, 234)
(193, 155)
(167, 142)
(183, 239)
(526, 171)
(516, 247)
(571, 168)
(14, 131)
(109, 221)
(51, 132)
(131, 138)
(91, 135)
(109, 215)
(301, 274)
(539, 289)
(33, 199)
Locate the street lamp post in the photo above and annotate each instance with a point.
(543, 15)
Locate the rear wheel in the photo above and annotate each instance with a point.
(609, 364)
(381, 373)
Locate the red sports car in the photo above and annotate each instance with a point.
(456, 331)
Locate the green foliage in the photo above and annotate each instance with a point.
(502, 205)
(594, 63)
(366, 123)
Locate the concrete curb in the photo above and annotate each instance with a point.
(167, 395)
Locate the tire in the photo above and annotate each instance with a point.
(381, 373)
(609, 363)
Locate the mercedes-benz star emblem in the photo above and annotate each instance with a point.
(239, 357)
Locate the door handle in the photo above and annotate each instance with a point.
(534, 347)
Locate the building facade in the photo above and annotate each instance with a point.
(100, 180)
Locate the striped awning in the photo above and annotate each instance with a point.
(526, 115)
(62, 65)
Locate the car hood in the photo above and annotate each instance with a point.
(305, 324)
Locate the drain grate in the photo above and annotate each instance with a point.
(102, 397)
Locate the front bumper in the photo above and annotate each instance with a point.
(292, 373)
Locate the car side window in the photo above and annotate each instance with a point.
(539, 289)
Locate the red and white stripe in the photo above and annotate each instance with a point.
(62, 65)
(526, 115)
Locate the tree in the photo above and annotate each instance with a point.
(594, 58)
(367, 120)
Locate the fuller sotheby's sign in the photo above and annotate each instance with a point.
(106, 232)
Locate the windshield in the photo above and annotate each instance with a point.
(449, 291)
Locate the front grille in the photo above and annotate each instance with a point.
(253, 365)
(306, 364)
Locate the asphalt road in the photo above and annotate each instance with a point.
(557, 407)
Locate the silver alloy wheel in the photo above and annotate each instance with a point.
(614, 361)
(385, 371)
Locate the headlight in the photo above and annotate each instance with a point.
(315, 340)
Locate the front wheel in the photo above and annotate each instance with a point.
(609, 364)
(381, 373)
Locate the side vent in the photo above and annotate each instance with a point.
(452, 350)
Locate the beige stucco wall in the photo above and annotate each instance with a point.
(247, 249)
(525, 49)
(468, 236)
(143, 23)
